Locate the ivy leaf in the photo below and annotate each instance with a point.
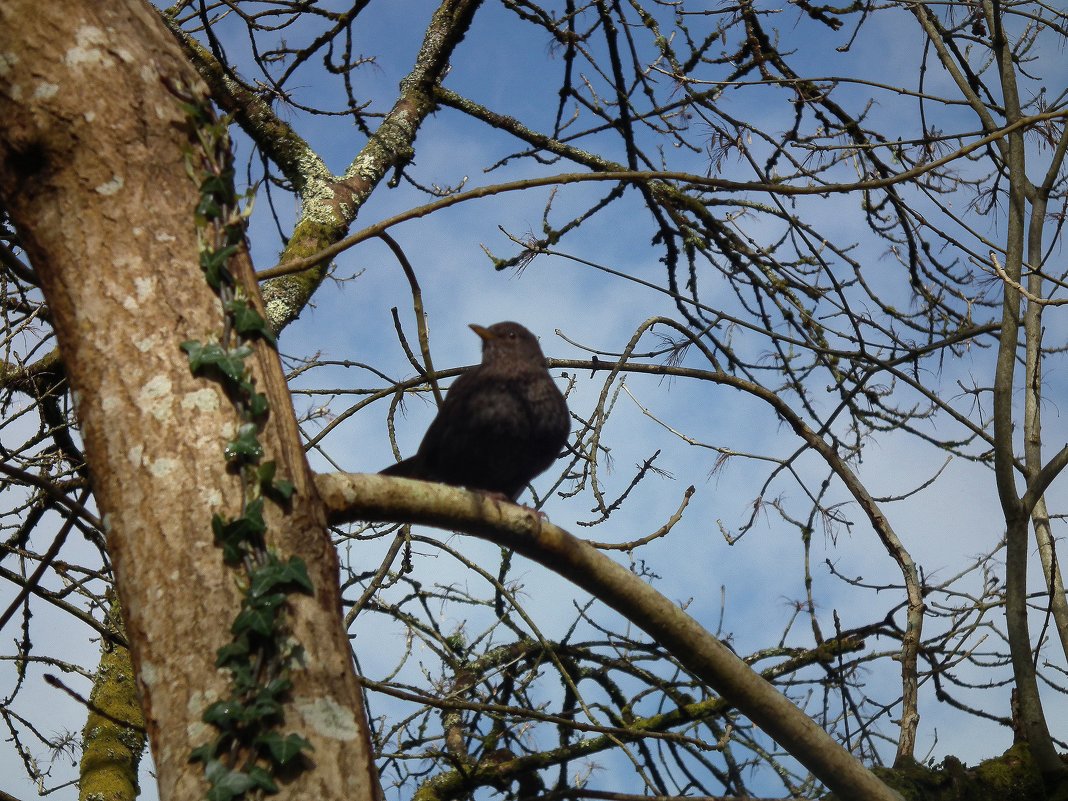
(248, 321)
(192, 346)
(265, 472)
(259, 617)
(205, 753)
(280, 490)
(218, 186)
(231, 363)
(278, 575)
(246, 446)
(265, 710)
(213, 263)
(295, 571)
(283, 490)
(277, 687)
(235, 227)
(234, 535)
(208, 208)
(200, 354)
(254, 515)
(233, 653)
(258, 405)
(195, 112)
(284, 749)
(262, 779)
(264, 580)
(242, 678)
(226, 784)
(226, 714)
(227, 538)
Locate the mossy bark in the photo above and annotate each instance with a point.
(113, 739)
(1013, 776)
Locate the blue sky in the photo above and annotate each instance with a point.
(760, 577)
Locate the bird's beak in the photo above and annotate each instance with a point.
(483, 333)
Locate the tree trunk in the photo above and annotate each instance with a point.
(92, 172)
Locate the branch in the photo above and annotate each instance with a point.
(1043, 479)
(660, 180)
(351, 497)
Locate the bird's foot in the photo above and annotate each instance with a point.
(498, 497)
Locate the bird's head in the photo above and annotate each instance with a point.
(509, 341)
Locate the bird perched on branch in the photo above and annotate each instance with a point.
(502, 423)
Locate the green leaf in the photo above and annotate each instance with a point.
(205, 753)
(242, 679)
(278, 575)
(225, 714)
(277, 687)
(228, 538)
(192, 347)
(259, 617)
(243, 528)
(235, 227)
(208, 208)
(217, 186)
(213, 263)
(254, 515)
(264, 580)
(227, 784)
(230, 363)
(246, 446)
(258, 404)
(235, 535)
(195, 112)
(269, 602)
(265, 472)
(265, 710)
(278, 491)
(233, 653)
(201, 355)
(262, 779)
(283, 490)
(248, 321)
(296, 571)
(284, 749)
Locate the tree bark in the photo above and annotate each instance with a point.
(92, 173)
(113, 739)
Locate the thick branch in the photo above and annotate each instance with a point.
(351, 497)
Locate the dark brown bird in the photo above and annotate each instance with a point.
(502, 423)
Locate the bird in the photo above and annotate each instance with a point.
(501, 424)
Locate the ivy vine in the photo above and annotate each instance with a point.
(248, 749)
